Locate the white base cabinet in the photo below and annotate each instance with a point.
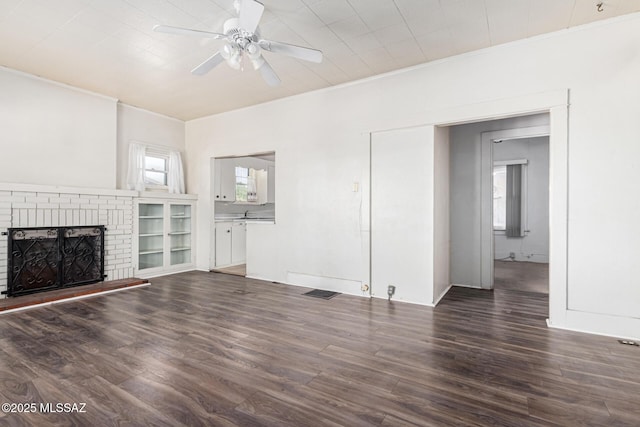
(223, 243)
(231, 243)
(164, 240)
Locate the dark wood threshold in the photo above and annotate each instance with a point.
(12, 303)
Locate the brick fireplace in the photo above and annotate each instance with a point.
(23, 205)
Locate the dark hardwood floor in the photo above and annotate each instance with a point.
(206, 349)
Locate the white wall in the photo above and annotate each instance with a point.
(322, 146)
(466, 203)
(402, 222)
(534, 246)
(441, 213)
(135, 124)
(54, 134)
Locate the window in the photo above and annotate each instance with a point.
(500, 197)
(242, 184)
(510, 197)
(155, 170)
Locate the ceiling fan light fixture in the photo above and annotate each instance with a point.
(242, 35)
(253, 50)
(231, 54)
(257, 62)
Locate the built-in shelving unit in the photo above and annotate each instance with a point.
(164, 236)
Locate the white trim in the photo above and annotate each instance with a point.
(486, 192)
(164, 196)
(155, 148)
(38, 188)
(59, 84)
(60, 301)
(510, 162)
(599, 324)
(436, 301)
(164, 116)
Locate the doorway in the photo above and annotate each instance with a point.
(520, 212)
(473, 239)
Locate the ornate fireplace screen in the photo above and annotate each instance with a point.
(46, 258)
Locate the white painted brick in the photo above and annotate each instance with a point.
(48, 206)
(46, 217)
(31, 213)
(82, 200)
(101, 197)
(65, 200)
(5, 193)
(22, 193)
(36, 199)
(70, 195)
(47, 195)
(88, 206)
(24, 205)
(116, 202)
(12, 199)
(5, 205)
(23, 217)
(104, 207)
(69, 206)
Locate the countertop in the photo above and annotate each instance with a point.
(243, 219)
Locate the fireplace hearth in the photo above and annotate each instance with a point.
(47, 258)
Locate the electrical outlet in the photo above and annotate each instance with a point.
(364, 287)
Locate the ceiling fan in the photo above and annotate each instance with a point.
(243, 40)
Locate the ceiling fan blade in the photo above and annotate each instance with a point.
(305, 53)
(269, 75)
(208, 65)
(250, 14)
(187, 32)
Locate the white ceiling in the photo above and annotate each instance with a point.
(108, 46)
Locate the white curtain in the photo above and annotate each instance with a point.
(135, 173)
(175, 178)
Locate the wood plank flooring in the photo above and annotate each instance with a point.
(521, 276)
(207, 349)
(236, 270)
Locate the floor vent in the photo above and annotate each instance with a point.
(319, 293)
(629, 342)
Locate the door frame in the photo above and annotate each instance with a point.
(487, 250)
(556, 104)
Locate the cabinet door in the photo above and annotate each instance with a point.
(238, 243)
(228, 180)
(180, 231)
(150, 235)
(217, 175)
(223, 244)
(271, 184)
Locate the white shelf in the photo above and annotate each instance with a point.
(150, 252)
(166, 233)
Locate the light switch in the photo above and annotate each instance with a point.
(356, 187)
